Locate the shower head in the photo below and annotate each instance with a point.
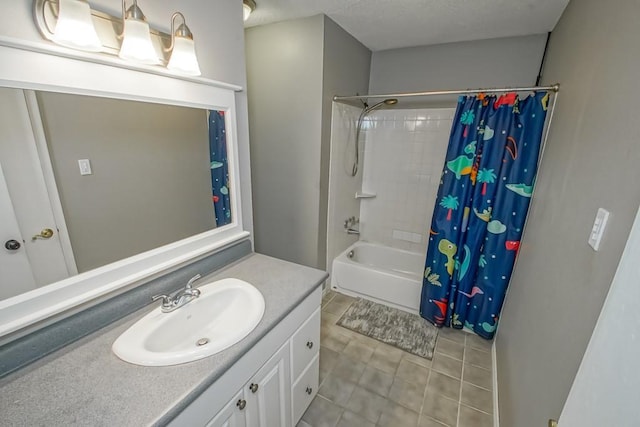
(388, 101)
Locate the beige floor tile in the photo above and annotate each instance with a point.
(328, 319)
(395, 415)
(343, 299)
(322, 413)
(386, 358)
(358, 350)
(478, 376)
(426, 421)
(350, 419)
(469, 417)
(450, 348)
(424, 362)
(444, 385)
(440, 408)
(366, 404)
(336, 389)
(477, 398)
(334, 307)
(407, 394)
(376, 381)
(456, 335)
(332, 339)
(477, 342)
(412, 373)
(328, 296)
(350, 370)
(447, 365)
(328, 360)
(477, 358)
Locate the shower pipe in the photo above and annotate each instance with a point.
(553, 88)
(366, 110)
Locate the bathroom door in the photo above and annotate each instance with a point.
(14, 263)
(25, 204)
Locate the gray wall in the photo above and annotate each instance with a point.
(284, 73)
(512, 61)
(151, 182)
(591, 161)
(294, 69)
(346, 69)
(210, 22)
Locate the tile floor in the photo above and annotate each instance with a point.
(364, 382)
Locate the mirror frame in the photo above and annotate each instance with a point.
(38, 66)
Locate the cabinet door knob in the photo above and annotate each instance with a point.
(310, 344)
(253, 387)
(309, 390)
(241, 404)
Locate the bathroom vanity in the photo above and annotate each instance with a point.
(267, 379)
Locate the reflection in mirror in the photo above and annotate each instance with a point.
(109, 178)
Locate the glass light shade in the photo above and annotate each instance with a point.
(136, 44)
(183, 57)
(246, 11)
(75, 28)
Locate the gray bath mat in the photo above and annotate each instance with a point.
(408, 332)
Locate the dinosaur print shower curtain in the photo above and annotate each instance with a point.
(219, 168)
(480, 212)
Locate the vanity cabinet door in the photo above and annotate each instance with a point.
(269, 392)
(232, 415)
(305, 344)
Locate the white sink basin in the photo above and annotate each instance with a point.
(226, 311)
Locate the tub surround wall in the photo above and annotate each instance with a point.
(591, 161)
(404, 152)
(342, 186)
(346, 65)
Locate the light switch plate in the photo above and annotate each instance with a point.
(85, 166)
(598, 228)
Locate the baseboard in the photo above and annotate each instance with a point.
(494, 370)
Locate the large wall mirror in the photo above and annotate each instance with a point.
(86, 181)
(109, 176)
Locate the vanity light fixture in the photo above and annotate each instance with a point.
(75, 27)
(183, 49)
(248, 6)
(74, 24)
(136, 38)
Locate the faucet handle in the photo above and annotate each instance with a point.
(166, 300)
(192, 280)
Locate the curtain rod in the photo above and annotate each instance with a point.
(554, 88)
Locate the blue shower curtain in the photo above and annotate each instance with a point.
(219, 168)
(482, 204)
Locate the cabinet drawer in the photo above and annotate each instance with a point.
(305, 344)
(305, 389)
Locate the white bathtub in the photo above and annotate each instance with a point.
(380, 273)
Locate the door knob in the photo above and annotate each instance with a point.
(46, 233)
(241, 404)
(253, 387)
(12, 245)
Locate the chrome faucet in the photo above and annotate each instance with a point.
(350, 225)
(181, 297)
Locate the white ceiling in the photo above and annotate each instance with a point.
(390, 24)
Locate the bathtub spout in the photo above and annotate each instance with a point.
(353, 231)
